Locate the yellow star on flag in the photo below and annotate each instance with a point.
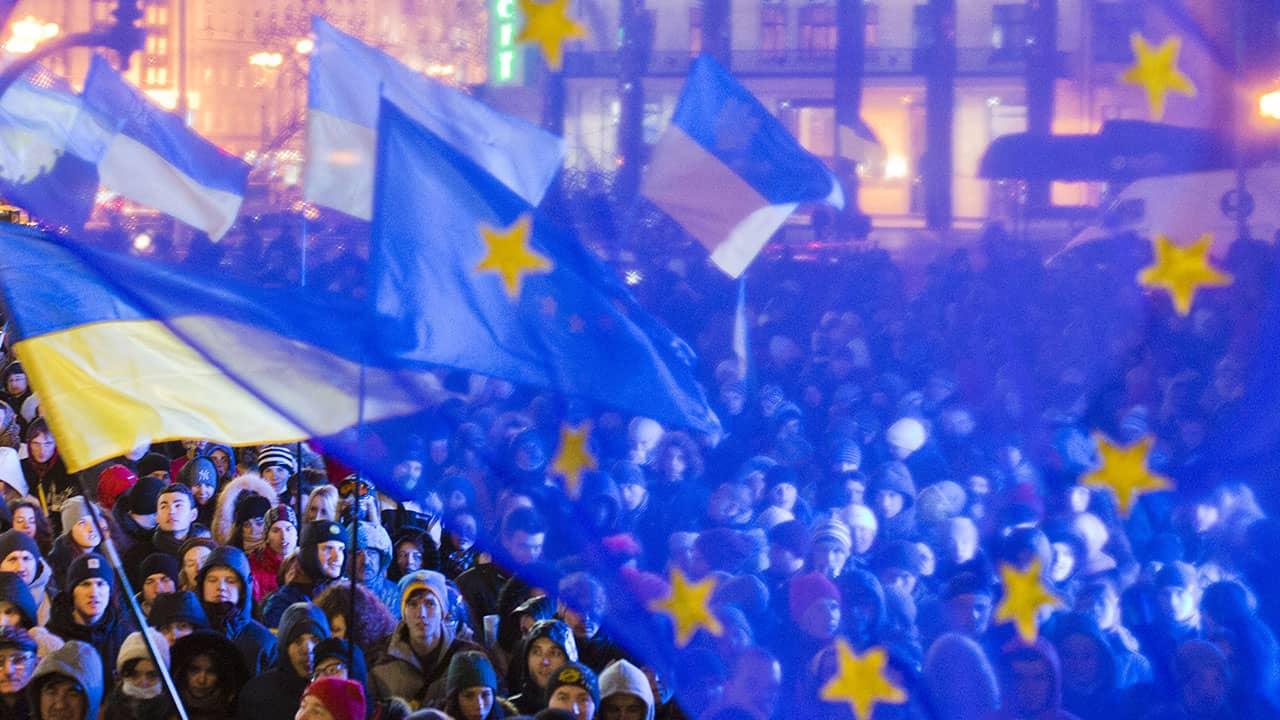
(574, 458)
(689, 607)
(860, 680)
(1156, 70)
(1182, 270)
(548, 24)
(1024, 595)
(1124, 471)
(510, 255)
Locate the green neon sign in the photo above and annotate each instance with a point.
(505, 67)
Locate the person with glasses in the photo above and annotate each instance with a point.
(17, 660)
(139, 693)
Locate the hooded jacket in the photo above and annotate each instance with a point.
(1100, 701)
(106, 636)
(531, 698)
(623, 678)
(1041, 650)
(75, 660)
(224, 517)
(897, 477)
(277, 692)
(255, 642)
(231, 674)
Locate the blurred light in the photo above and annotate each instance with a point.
(305, 46)
(142, 242)
(29, 32)
(266, 59)
(895, 167)
(306, 210)
(993, 101)
(440, 70)
(1269, 105)
(633, 277)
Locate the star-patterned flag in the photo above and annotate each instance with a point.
(465, 274)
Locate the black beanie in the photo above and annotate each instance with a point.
(87, 567)
(249, 506)
(144, 494)
(13, 590)
(322, 531)
(157, 563)
(169, 608)
(153, 462)
(13, 540)
(470, 669)
(573, 673)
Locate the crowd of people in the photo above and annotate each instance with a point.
(883, 456)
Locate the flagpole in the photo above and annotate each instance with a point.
(302, 271)
(741, 334)
(355, 512)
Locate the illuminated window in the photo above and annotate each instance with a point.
(1009, 29)
(817, 28)
(773, 30)
(872, 32)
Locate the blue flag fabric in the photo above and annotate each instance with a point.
(466, 274)
(155, 159)
(45, 158)
(728, 171)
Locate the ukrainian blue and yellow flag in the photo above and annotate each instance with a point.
(123, 351)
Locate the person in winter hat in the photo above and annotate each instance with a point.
(1089, 672)
(80, 535)
(19, 610)
(225, 587)
(548, 645)
(574, 687)
(423, 644)
(139, 693)
(332, 699)
(13, 484)
(209, 674)
(1030, 682)
(239, 520)
(471, 689)
(276, 692)
(829, 548)
(625, 692)
(20, 555)
(276, 464)
(176, 615)
(67, 684)
(20, 648)
(958, 681)
(321, 554)
(892, 495)
(201, 476)
(84, 610)
(370, 562)
(159, 574)
(282, 539)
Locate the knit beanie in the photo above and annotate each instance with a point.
(250, 505)
(940, 501)
(352, 657)
(428, 580)
(112, 483)
(157, 564)
(375, 537)
(834, 531)
(175, 607)
(575, 673)
(14, 590)
(320, 531)
(808, 589)
(344, 699)
(301, 618)
(470, 669)
(11, 470)
(143, 495)
(277, 456)
(135, 648)
(847, 455)
(73, 509)
(793, 536)
(87, 567)
(14, 540)
(198, 471)
(907, 434)
(153, 462)
(280, 513)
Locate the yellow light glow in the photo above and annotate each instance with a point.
(29, 32)
(305, 46)
(1269, 105)
(266, 59)
(142, 242)
(895, 168)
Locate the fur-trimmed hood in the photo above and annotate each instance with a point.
(225, 515)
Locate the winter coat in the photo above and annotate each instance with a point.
(106, 636)
(119, 706)
(52, 485)
(224, 515)
(622, 678)
(63, 553)
(265, 566)
(257, 645)
(1099, 702)
(273, 694)
(1045, 651)
(42, 589)
(76, 660)
(400, 673)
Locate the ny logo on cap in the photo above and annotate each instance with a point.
(93, 563)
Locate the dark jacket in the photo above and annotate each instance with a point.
(273, 695)
(255, 642)
(77, 661)
(106, 636)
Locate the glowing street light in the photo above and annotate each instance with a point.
(266, 59)
(28, 33)
(305, 46)
(1269, 105)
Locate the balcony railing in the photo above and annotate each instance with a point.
(880, 62)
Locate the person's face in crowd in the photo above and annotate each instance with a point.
(900, 578)
(408, 557)
(41, 447)
(254, 530)
(9, 615)
(523, 547)
(278, 476)
(89, 599)
(203, 492)
(175, 630)
(1064, 562)
(16, 384)
(889, 502)
(425, 618)
(970, 614)
(454, 501)
(783, 560)
(282, 538)
(221, 462)
(584, 624)
(312, 709)
(24, 521)
(331, 667)
(544, 657)
(1204, 517)
(22, 563)
(829, 557)
(193, 560)
(155, 584)
(475, 702)
(782, 495)
(1032, 687)
(574, 699)
(1081, 663)
(317, 510)
(408, 472)
(734, 401)
(725, 504)
(62, 699)
(368, 564)
(673, 464)
(1177, 604)
(331, 554)
(928, 561)
(143, 674)
(85, 534)
(821, 619)
(623, 706)
(338, 626)
(1104, 606)
(755, 685)
(222, 585)
(680, 551)
(1078, 499)
(464, 531)
(202, 677)
(1205, 693)
(302, 653)
(175, 513)
(632, 495)
(438, 450)
(857, 490)
(16, 666)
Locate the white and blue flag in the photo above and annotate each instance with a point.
(346, 79)
(728, 171)
(154, 159)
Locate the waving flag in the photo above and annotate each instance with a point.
(466, 274)
(156, 160)
(342, 116)
(728, 171)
